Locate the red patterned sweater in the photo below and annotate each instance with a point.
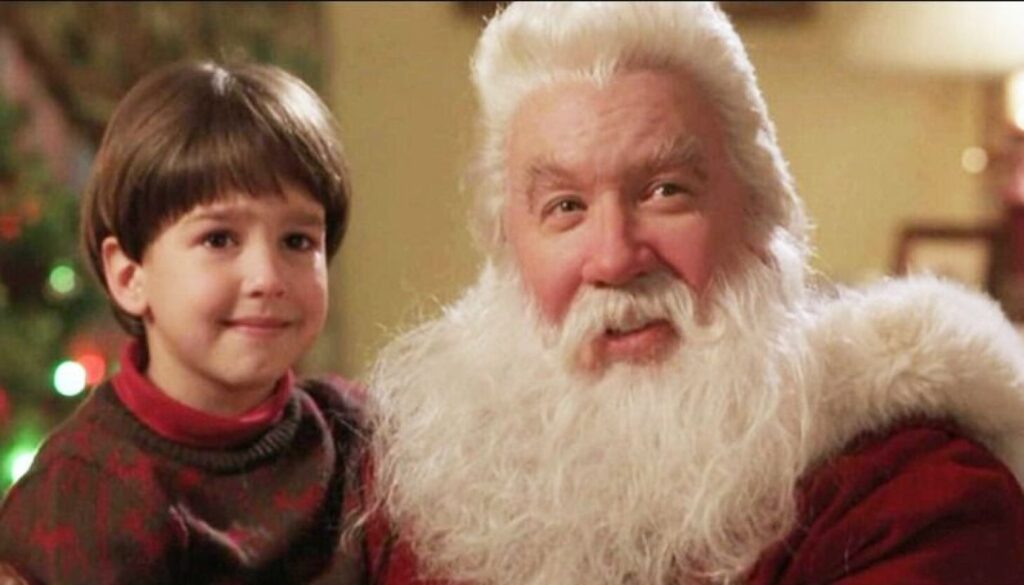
(188, 498)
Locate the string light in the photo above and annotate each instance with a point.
(95, 367)
(19, 460)
(69, 378)
(21, 463)
(63, 279)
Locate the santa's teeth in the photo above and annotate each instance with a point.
(623, 330)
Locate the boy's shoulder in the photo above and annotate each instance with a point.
(341, 405)
(336, 396)
(86, 447)
(83, 435)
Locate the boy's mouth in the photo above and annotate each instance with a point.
(257, 324)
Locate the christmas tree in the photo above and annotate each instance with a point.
(57, 338)
(52, 317)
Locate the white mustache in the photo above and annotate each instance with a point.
(597, 310)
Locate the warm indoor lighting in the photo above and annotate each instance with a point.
(974, 159)
(979, 42)
(964, 38)
(1015, 99)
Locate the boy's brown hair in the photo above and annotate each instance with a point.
(188, 133)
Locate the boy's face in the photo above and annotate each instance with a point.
(231, 295)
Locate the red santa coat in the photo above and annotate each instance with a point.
(920, 505)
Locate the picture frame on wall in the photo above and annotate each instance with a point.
(963, 253)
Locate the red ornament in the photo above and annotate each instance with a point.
(82, 343)
(31, 210)
(10, 226)
(95, 367)
(5, 409)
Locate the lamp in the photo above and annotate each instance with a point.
(978, 40)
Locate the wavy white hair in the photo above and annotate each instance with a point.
(533, 44)
(503, 467)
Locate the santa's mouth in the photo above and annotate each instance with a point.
(628, 327)
(637, 342)
(619, 332)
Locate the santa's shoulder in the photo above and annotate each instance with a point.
(920, 497)
(918, 347)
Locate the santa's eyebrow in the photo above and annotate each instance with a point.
(681, 151)
(543, 170)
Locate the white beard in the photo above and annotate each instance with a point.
(501, 465)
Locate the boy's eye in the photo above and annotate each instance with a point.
(300, 242)
(218, 239)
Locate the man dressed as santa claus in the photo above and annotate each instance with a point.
(642, 387)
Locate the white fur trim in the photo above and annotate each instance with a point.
(920, 346)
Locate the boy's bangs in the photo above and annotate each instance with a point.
(223, 158)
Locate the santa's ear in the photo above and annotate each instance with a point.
(125, 277)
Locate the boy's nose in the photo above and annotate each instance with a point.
(618, 254)
(264, 275)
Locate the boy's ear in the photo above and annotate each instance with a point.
(125, 277)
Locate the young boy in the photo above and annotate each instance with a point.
(219, 194)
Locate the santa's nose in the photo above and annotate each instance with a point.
(618, 252)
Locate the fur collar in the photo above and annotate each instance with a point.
(918, 346)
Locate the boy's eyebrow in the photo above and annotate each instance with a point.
(303, 218)
(215, 214)
(306, 218)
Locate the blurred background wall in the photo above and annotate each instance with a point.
(872, 150)
(869, 150)
(399, 83)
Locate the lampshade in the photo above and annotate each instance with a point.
(958, 38)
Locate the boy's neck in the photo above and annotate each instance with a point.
(180, 422)
(185, 384)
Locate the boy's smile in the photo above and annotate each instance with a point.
(257, 326)
(231, 294)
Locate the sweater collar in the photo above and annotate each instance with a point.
(183, 424)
